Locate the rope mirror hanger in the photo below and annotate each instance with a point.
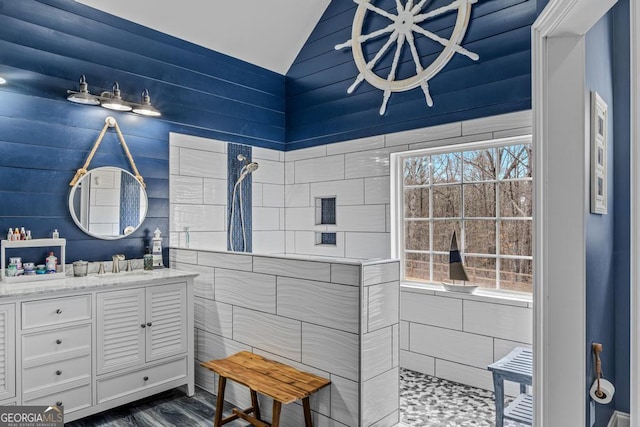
(108, 122)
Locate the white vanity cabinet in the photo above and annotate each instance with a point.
(142, 332)
(7, 353)
(93, 343)
(56, 349)
(141, 325)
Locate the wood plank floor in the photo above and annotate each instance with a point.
(425, 402)
(172, 408)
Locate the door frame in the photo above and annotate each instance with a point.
(560, 138)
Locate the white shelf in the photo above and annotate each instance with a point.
(33, 243)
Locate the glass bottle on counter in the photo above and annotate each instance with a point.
(147, 259)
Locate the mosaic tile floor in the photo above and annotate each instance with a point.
(425, 402)
(428, 401)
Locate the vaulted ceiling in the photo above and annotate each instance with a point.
(265, 33)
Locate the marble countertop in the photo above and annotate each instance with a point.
(90, 282)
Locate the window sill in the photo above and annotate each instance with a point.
(481, 295)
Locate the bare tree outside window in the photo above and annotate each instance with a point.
(486, 196)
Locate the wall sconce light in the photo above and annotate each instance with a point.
(2, 81)
(146, 109)
(112, 100)
(83, 96)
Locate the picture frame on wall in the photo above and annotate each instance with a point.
(599, 127)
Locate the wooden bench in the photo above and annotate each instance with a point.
(280, 382)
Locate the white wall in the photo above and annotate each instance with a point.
(333, 318)
(268, 202)
(198, 195)
(456, 336)
(358, 174)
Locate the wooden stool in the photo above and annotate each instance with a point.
(516, 366)
(278, 381)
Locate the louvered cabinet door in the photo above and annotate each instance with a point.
(7, 351)
(121, 329)
(167, 317)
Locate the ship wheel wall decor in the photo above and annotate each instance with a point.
(403, 29)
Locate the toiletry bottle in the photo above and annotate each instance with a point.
(16, 234)
(148, 259)
(52, 263)
(23, 234)
(55, 234)
(28, 234)
(10, 234)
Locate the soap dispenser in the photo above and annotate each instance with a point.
(157, 249)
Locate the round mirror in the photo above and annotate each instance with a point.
(108, 203)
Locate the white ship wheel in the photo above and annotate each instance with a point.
(409, 20)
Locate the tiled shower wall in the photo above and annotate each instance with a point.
(357, 174)
(337, 319)
(198, 195)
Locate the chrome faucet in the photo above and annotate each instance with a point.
(115, 268)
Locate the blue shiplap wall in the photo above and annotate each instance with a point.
(44, 47)
(621, 192)
(608, 236)
(319, 110)
(600, 301)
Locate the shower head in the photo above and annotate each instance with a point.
(251, 167)
(246, 170)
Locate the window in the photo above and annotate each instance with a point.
(485, 193)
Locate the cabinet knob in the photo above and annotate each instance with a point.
(58, 341)
(143, 326)
(146, 378)
(59, 403)
(58, 311)
(149, 323)
(58, 372)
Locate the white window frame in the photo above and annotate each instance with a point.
(397, 186)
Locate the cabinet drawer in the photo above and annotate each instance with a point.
(56, 373)
(43, 345)
(55, 311)
(114, 387)
(72, 399)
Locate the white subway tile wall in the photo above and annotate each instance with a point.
(307, 314)
(456, 337)
(198, 195)
(357, 174)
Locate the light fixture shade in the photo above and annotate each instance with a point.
(83, 96)
(2, 81)
(113, 100)
(146, 109)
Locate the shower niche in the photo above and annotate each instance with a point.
(325, 213)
